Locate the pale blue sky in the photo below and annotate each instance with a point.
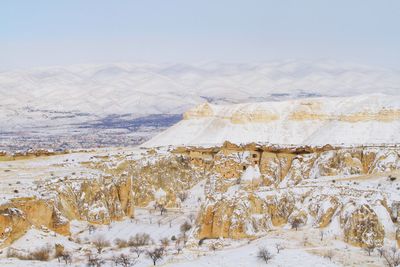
(58, 32)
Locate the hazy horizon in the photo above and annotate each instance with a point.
(47, 33)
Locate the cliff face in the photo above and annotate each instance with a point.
(17, 216)
(318, 188)
(95, 201)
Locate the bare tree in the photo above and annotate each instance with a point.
(100, 242)
(66, 257)
(264, 255)
(392, 257)
(124, 260)
(296, 223)
(162, 210)
(381, 251)
(278, 247)
(137, 251)
(185, 227)
(93, 260)
(370, 248)
(155, 255)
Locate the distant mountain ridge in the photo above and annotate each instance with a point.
(61, 99)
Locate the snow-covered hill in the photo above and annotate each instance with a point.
(85, 98)
(367, 119)
(158, 89)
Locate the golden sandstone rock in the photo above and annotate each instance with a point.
(362, 227)
(234, 208)
(203, 110)
(17, 216)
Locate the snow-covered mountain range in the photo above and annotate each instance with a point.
(124, 96)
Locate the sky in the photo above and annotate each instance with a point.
(47, 32)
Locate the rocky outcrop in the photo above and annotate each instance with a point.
(323, 209)
(18, 215)
(243, 116)
(362, 226)
(172, 174)
(240, 216)
(95, 201)
(200, 111)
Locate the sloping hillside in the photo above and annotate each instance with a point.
(361, 120)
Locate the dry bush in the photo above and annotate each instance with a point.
(100, 243)
(41, 254)
(121, 243)
(13, 253)
(164, 242)
(139, 240)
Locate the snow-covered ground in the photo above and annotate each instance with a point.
(302, 248)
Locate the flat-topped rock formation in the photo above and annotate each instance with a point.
(361, 120)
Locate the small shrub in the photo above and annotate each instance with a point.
(264, 255)
(164, 242)
(121, 243)
(279, 247)
(41, 254)
(13, 253)
(329, 254)
(139, 240)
